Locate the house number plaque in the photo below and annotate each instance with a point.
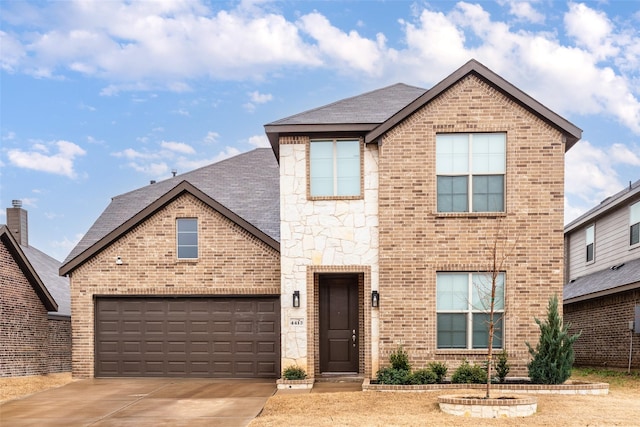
(297, 322)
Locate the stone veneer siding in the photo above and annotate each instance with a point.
(604, 325)
(231, 262)
(416, 241)
(325, 236)
(23, 322)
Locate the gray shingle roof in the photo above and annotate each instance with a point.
(604, 281)
(47, 268)
(247, 184)
(371, 107)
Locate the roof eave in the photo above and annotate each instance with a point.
(274, 131)
(601, 211)
(28, 270)
(182, 187)
(571, 132)
(603, 293)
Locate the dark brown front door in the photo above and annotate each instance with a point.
(339, 333)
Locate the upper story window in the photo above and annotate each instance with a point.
(463, 307)
(471, 171)
(634, 224)
(187, 237)
(590, 238)
(334, 168)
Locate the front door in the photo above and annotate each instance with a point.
(339, 332)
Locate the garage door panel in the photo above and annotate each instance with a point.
(188, 337)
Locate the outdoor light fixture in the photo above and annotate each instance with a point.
(118, 260)
(296, 299)
(375, 299)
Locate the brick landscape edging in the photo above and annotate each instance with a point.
(577, 387)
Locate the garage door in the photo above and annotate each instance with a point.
(188, 337)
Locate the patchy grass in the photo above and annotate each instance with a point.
(17, 387)
(619, 408)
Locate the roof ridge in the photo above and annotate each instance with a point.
(181, 177)
(322, 107)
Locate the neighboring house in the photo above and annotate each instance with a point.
(390, 202)
(182, 277)
(369, 229)
(35, 332)
(602, 281)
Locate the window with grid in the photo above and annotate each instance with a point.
(634, 221)
(187, 238)
(334, 168)
(470, 170)
(590, 235)
(463, 310)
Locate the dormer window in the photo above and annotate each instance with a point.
(334, 168)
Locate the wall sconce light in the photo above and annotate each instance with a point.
(375, 299)
(118, 260)
(296, 299)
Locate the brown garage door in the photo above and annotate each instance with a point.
(218, 337)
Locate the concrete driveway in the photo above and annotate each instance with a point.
(142, 402)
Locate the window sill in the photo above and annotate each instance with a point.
(318, 198)
(463, 351)
(470, 215)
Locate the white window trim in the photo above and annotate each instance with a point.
(335, 169)
(469, 174)
(197, 246)
(472, 310)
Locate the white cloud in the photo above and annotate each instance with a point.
(259, 141)
(60, 163)
(591, 174)
(591, 29)
(257, 98)
(211, 137)
(351, 49)
(524, 10)
(179, 147)
(151, 169)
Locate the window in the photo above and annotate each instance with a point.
(463, 305)
(634, 221)
(470, 172)
(187, 231)
(334, 167)
(590, 239)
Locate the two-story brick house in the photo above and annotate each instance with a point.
(369, 228)
(390, 202)
(602, 281)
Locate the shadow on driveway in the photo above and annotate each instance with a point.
(142, 402)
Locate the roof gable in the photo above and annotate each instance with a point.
(27, 269)
(246, 186)
(571, 132)
(155, 206)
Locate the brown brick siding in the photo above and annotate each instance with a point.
(604, 322)
(23, 322)
(416, 241)
(231, 262)
(59, 350)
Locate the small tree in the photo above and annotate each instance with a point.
(553, 356)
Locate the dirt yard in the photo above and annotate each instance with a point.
(16, 387)
(621, 407)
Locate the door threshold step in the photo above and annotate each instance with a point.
(339, 378)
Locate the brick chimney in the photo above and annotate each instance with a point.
(18, 222)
